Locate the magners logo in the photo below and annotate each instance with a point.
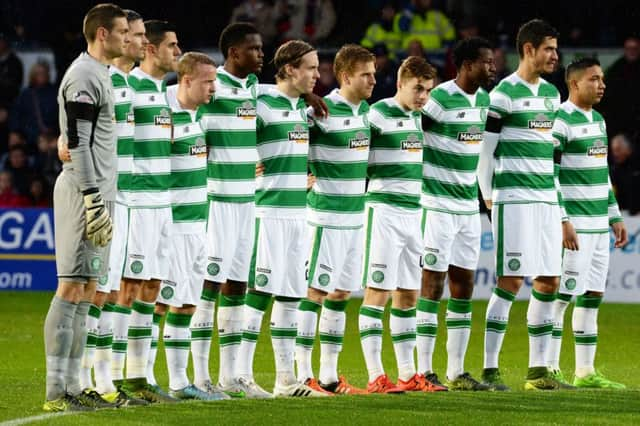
(299, 134)
(598, 149)
(247, 111)
(541, 123)
(359, 141)
(473, 135)
(163, 119)
(411, 144)
(199, 149)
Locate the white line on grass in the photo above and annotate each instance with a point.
(25, 420)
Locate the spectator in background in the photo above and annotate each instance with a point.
(10, 84)
(39, 193)
(386, 74)
(18, 164)
(36, 109)
(9, 197)
(382, 32)
(309, 20)
(259, 13)
(429, 26)
(46, 161)
(327, 81)
(620, 105)
(625, 174)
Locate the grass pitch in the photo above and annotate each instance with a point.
(22, 380)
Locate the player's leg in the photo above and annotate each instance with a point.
(560, 306)
(509, 249)
(93, 319)
(585, 316)
(371, 330)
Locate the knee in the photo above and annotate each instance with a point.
(339, 295)
(547, 284)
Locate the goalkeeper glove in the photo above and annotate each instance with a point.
(98, 223)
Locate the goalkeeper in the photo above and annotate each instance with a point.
(83, 198)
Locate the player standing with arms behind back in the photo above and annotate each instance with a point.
(454, 121)
(591, 207)
(526, 217)
(83, 197)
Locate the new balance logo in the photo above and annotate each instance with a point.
(461, 114)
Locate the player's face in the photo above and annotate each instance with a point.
(305, 76)
(137, 41)
(250, 56)
(168, 52)
(117, 39)
(362, 80)
(201, 85)
(413, 92)
(545, 57)
(484, 68)
(590, 85)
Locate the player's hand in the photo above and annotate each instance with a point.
(311, 180)
(620, 232)
(320, 108)
(569, 236)
(99, 227)
(63, 150)
(259, 169)
(488, 204)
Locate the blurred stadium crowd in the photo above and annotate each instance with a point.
(391, 29)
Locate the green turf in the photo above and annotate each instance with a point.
(22, 379)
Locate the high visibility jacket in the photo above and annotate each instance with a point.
(377, 34)
(432, 28)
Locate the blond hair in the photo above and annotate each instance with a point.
(416, 66)
(348, 57)
(190, 61)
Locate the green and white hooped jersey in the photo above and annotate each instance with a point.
(452, 148)
(338, 158)
(188, 191)
(587, 195)
(283, 143)
(123, 113)
(229, 121)
(151, 142)
(524, 155)
(395, 156)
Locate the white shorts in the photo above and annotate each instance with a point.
(450, 239)
(279, 255)
(335, 260)
(118, 250)
(230, 235)
(528, 239)
(586, 269)
(148, 243)
(186, 273)
(393, 247)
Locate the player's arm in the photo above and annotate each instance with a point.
(560, 139)
(82, 99)
(615, 220)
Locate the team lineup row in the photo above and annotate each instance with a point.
(219, 190)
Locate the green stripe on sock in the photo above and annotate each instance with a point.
(154, 344)
(336, 305)
(104, 341)
(139, 333)
(119, 346)
(496, 326)
(564, 297)
(427, 329)
(94, 311)
(428, 305)
(370, 332)
(331, 338)
(201, 333)
(458, 323)
(556, 333)
(258, 301)
(230, 339)
(588, 302)
(403, 313)
(143, 308)
(309, 306)
(369, 311)
(230, 301)
(504, 294)
(178, 320)
(91, 340)
(209, 295)
(283, 333)
(286, 299)
(305, 341)
(157, 318)
(539, 330)
(586, 340)
(543, 297)
(177, 344)
(459, 306)
(249, 335)
(109, 307)
(403, 337)
(120, 309)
